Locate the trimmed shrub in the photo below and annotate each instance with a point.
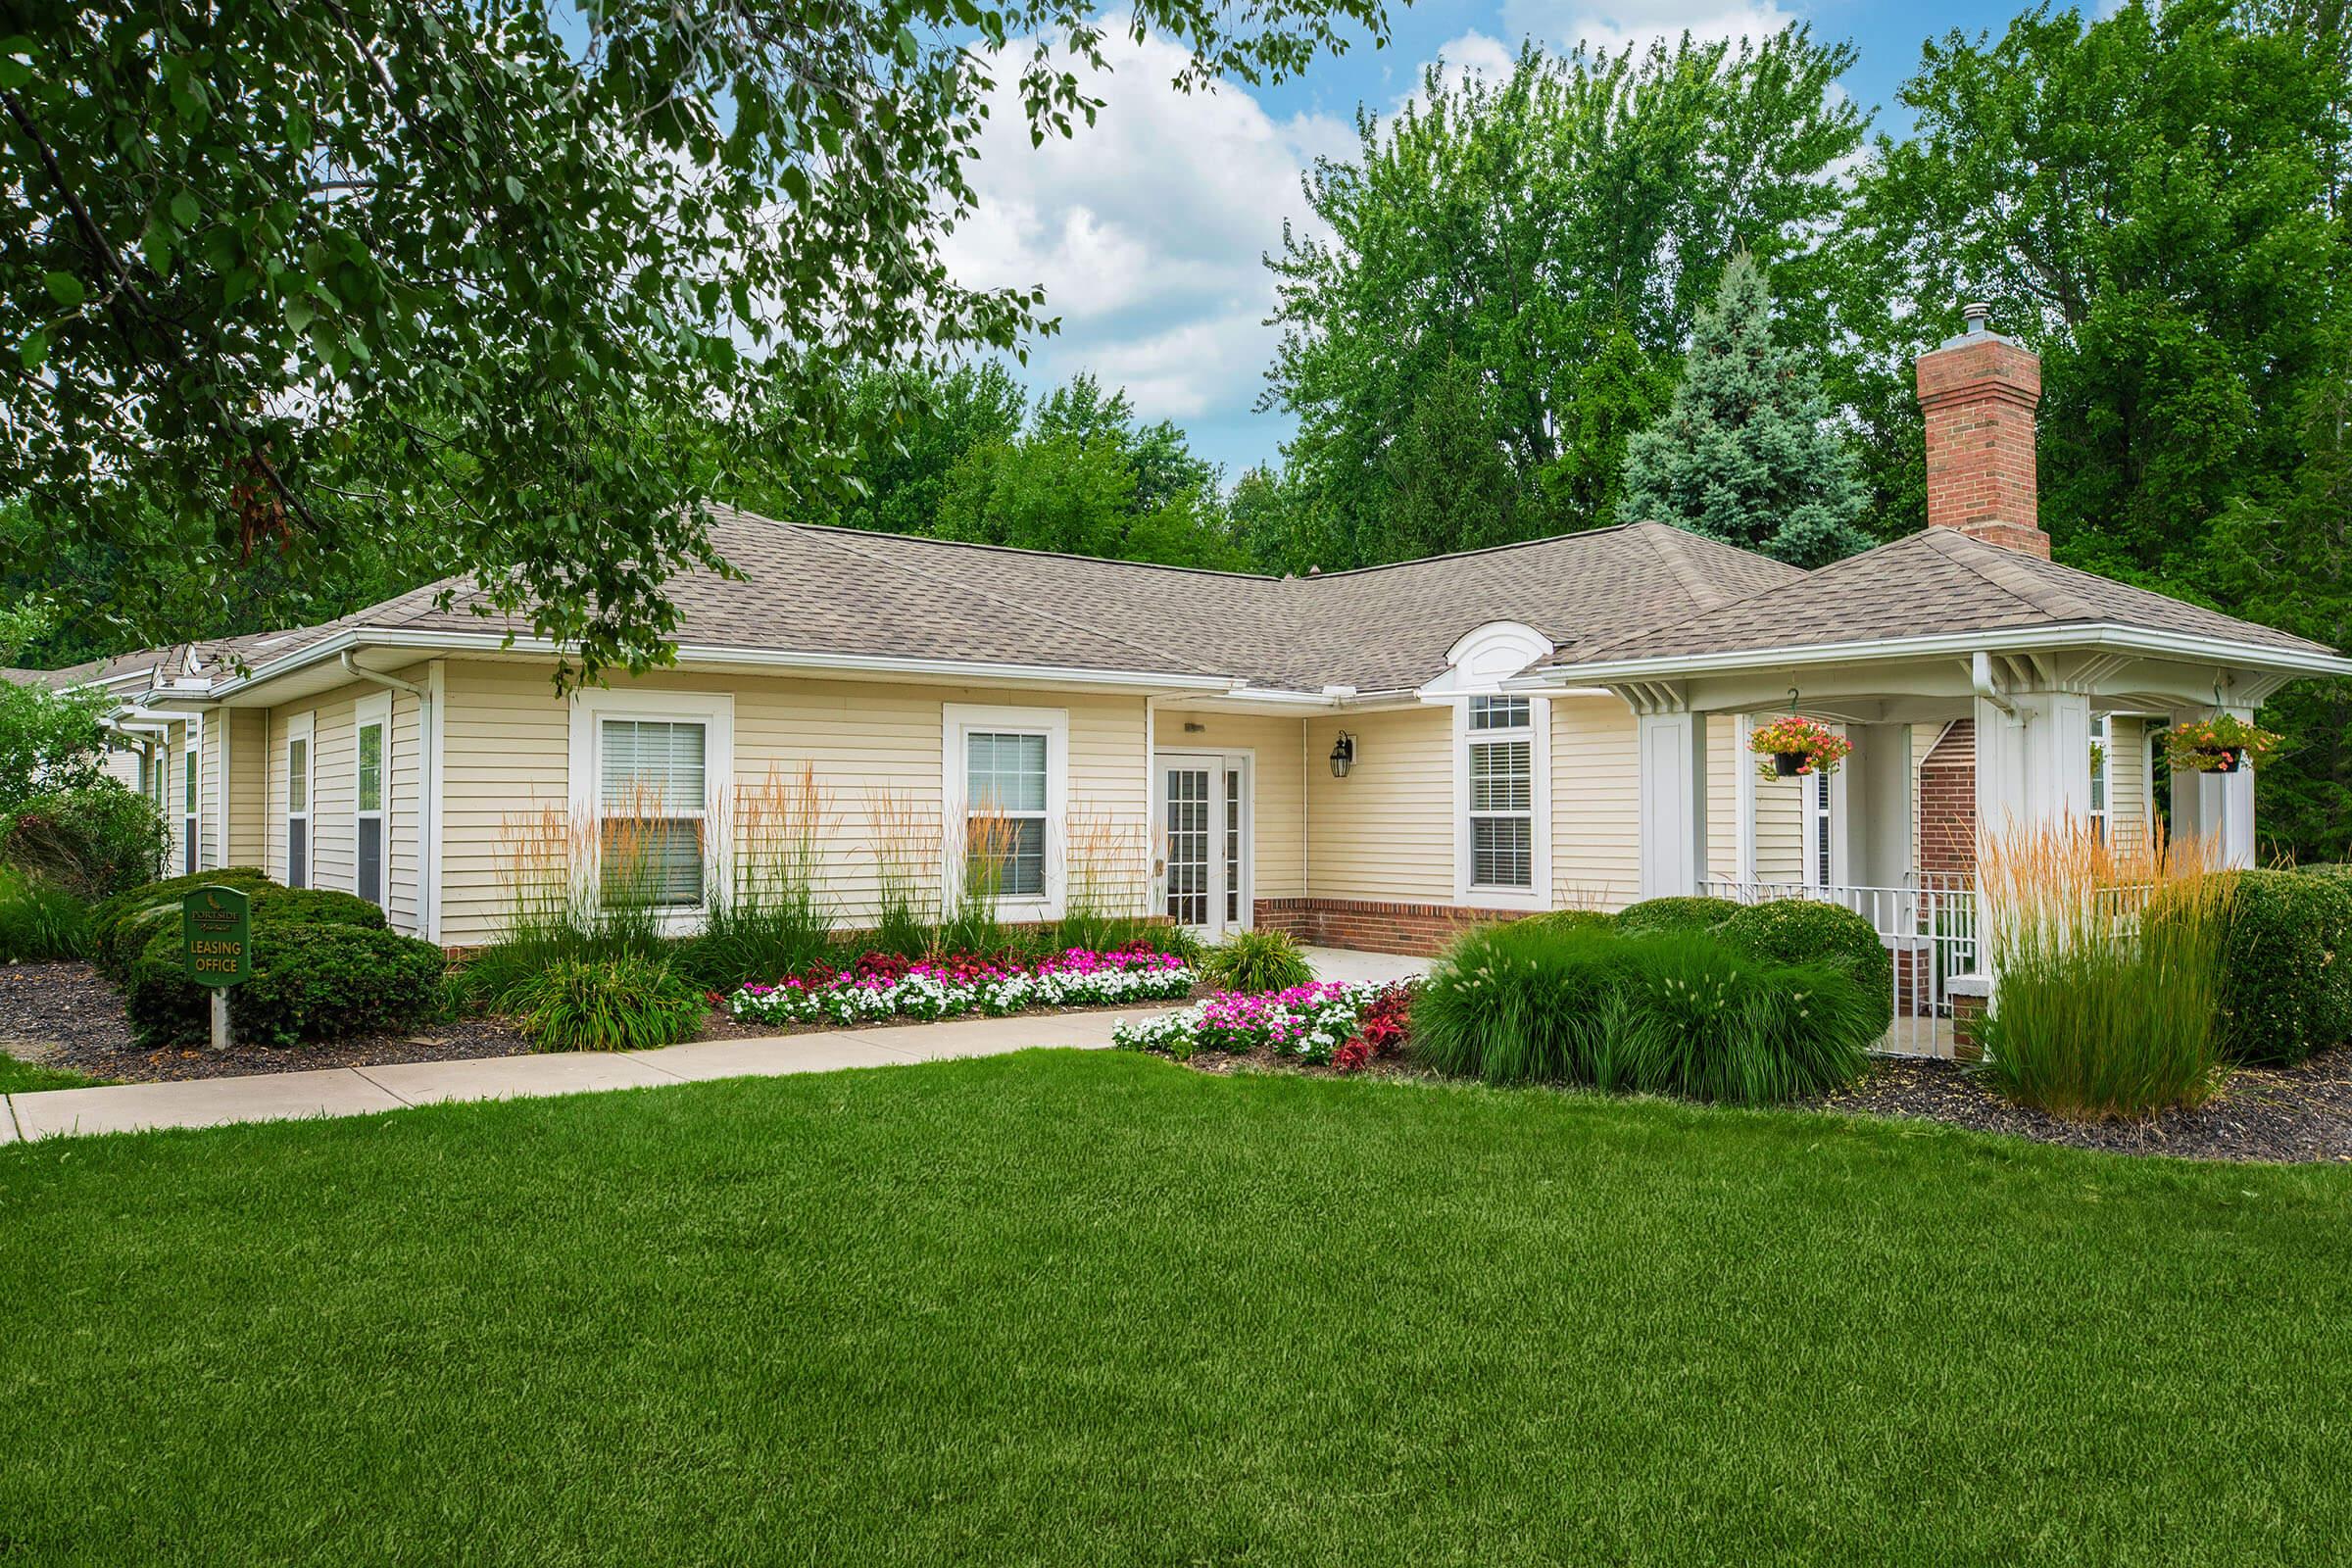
(2286, 966)
(92, 842)
(113, 949)
(314, 979)
(1257, 962)
(2333, 870)
(1804, 931)
(1676, 914)
(623, 1003)
(38, 921)
(1573, 920)
(1668, 1013)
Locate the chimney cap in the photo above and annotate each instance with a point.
(1978, 314)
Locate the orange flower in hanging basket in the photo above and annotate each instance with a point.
(1796, 747)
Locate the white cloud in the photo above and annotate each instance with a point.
(1611, 25)
(1146, 228)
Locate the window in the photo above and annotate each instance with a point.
(190, 819)
(654, 808)
(1004, 810)
(2102, 748)
(298, 803)
(1820, 864)
(1502, 793)
(368, 837)
(1233, 845)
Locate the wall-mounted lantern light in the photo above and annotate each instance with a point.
(1342, 755)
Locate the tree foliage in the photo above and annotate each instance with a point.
(313, 271)
(1745, 453)
(50, 740)
(1512, 270)
(2160, 203)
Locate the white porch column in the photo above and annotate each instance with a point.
(2032, 761)
(2216, 809)
(1672, 745)
(1877, 819)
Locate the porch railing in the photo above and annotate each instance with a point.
(1929, 929)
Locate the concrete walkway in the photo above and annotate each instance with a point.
(359, 1090)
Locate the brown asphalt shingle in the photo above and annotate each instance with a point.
(1936, 580)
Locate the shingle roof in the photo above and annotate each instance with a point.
(824, 590)
(1938, 580)
(1635, 591)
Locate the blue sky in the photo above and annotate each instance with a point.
(1146, 230)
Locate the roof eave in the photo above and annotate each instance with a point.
(353, 639)
(2105, 635)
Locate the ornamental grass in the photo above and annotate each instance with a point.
(2108, 965)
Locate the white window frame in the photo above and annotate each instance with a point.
(373, 712)
(1537, 894)
(1817, 814)
(303, 727)
(191, 800)
(716, 712)
(957, 720)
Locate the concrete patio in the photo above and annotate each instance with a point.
(362, 1091)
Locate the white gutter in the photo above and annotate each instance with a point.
(427, 809)
(2127, 639)
(713, 654)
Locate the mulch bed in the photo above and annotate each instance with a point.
(2291, 1115)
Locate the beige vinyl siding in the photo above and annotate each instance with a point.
(211, 734)
(122, 768)
(1595, 803)
(1780, 828)
(1277, 747)
(248, 731)
(2128, 782)
(172, 757)
(1727, 753)
(507, 753)
(1385, 832)
(334, 793)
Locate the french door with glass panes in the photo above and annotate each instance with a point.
(1202, 820)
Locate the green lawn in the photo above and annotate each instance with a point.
(26, 1077)
(1095, 1308)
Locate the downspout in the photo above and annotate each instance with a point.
(427, 806)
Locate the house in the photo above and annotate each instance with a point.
(1366, 757)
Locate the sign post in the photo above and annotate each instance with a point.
(216, 933)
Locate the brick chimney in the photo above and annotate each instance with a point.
(1978, 391)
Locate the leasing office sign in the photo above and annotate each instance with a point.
(215, 928)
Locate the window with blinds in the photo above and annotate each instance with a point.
(368, 877)
(189, 822)
(1005, 803)
(653, 798)
(1502, 793)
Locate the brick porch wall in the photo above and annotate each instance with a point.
(1947, 802)
(1415, 928)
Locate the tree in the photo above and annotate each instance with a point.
(50, 740)
(1745, 453)
(1538, 247)
(334, 268)
(1085, 478)
(2160, 203)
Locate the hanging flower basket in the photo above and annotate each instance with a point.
(1797, 746)
(2223, 745)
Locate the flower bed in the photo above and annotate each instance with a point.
(1331, 1021)
(881, 985)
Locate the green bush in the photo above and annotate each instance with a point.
(1804, 930)
(38, 921)
(1257, 962)
(1676, 914)
(93, 842)
(2333, 870)
(1574, 920)
(120, 926)
(1664, 1013)
(625, 1004)
(2286, 966)
(314, 979)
